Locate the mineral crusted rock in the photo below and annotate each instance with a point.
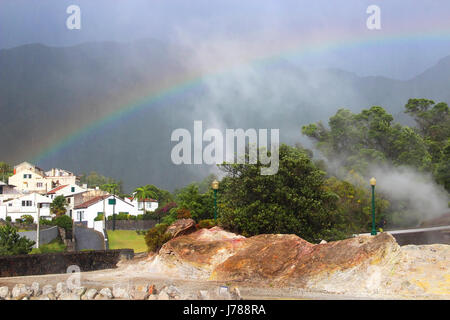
(90, 294)
(107, 293)
(363, 265)
(181, 227)
(47, 289)
(20, 291)
(121, 291)
(4, 293)
(35, 289)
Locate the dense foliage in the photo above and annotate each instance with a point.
(11, 243)
(28, 219)
(58, 206)
(64, 222)
(372, 137)
(6, 170)
(94, 179)
(156, 237)
(292, 201)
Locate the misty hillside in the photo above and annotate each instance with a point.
(46, 93)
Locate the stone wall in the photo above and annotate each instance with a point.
(45, 236)
(131, 224)
(53, 263)
(30, 227)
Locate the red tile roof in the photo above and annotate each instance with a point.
(145, 200)
(89, 203)
(57, 189)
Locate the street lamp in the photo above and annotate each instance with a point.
(373, 182)
(215, 187)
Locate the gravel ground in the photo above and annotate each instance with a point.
(132, 273)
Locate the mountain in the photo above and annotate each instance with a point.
(49, 93)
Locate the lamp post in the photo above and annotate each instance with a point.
(215, 187)
(373, 182)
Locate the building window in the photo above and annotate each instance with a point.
(27, 203)
(27, 176)
(72, 189)
(68, 200)
(39, 184)
(80, 215)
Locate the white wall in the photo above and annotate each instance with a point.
(3, 212)
(99, 226)
(89, 214)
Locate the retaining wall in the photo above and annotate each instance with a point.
(131, 224)
(54, 263)
(45, 236)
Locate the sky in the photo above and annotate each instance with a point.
(227, 44)
(262, 23)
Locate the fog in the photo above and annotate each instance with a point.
(423, 197)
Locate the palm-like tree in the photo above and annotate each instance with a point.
(143, 193)
(5, 171)
(111, 188)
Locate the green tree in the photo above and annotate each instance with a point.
(58, 206)
(163, 196)
(142, 193)
(64, 221)
(94, 179)
(156, 237)
(11, 243)
(200, 205)
(112, 188)
(6, 171)
(433, 123)
(369, 137)
(292, 201)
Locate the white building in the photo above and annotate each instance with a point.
(89, 210)
(148, 204)
(30, 178)
(8, 192)
(70, 192)
(30, 204)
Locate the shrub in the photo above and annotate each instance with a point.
(156, 237)
(18, 220)
(122, 216)
(147, 216)
(26, 218)
(11, 243)
(119, 216)
(140, 217)
(46, 222)
(99, 217)
(131, 217)
(183, 213)
(207, 223)
(64, 222)
(8, 219)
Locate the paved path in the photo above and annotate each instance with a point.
(87, 238)
(416, 230)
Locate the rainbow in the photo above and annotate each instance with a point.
(313, 45)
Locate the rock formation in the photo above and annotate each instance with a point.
(181, 227)
(364, 265)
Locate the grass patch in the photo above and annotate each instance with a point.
(54, 246)
(126, 239)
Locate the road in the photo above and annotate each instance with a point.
(416, 230)
(88, 239)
